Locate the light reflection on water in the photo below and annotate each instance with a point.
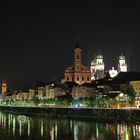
(38, 127)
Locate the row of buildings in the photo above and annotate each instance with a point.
(51, 91)
(101, 88)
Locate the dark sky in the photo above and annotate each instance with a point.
(37, 39)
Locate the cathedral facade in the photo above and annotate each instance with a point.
(97, 67)
(122, 66)
(78, 72)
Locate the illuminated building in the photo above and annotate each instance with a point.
(83, 91)
(41, 92)
(53, 91)
(113, 73)
(78, 72)
(136, 87)
(21, 96)
(50, 91)
(122, 66)
(97, 67)
(121, 97)
(4, 87)
(31, 93)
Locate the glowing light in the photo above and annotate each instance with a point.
(52, 133)
(56, 130)
(29, 127)
(118, 106)
(20, 128)
(75, 132)
(121, 94)
(113, 73)
(9, 120)
(97, 131)
(14, 125)
(42, 128)
(71, 124)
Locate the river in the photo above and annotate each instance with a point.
(36, 127)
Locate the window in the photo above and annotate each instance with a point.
(77, 78)
(67, 78)
(82, 78)
(78, 56)
(87, 78)
(72, 79)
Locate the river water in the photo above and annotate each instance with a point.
(35, 127)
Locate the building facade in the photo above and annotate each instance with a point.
(50, 91)
(78, 72)
(82, 91)
(136, 87)
(31, 93)
(41, 92)
(53, 91)
(97, 67)
(113, 73)
(122, 66)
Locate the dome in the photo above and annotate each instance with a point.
(99, 56)
(77, 46)
(122, 57)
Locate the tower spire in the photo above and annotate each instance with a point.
(77, 45)
(99, 52)
(122, 66)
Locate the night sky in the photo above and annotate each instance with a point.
(37, 39)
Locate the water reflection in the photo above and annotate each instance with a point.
(14, 126)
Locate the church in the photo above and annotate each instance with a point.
(78, 72)
(97, 67)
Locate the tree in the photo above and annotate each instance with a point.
(35, 100)
(131, 100)
(131, 95)
(66, 102)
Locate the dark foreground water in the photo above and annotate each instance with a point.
(21, 127)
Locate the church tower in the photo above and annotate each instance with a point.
(122, 66)
(78, 72)
(93, 68)
(4, 87)
(77, 57)
(99, 62)
(97, 67)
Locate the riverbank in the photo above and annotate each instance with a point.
(111, 115)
